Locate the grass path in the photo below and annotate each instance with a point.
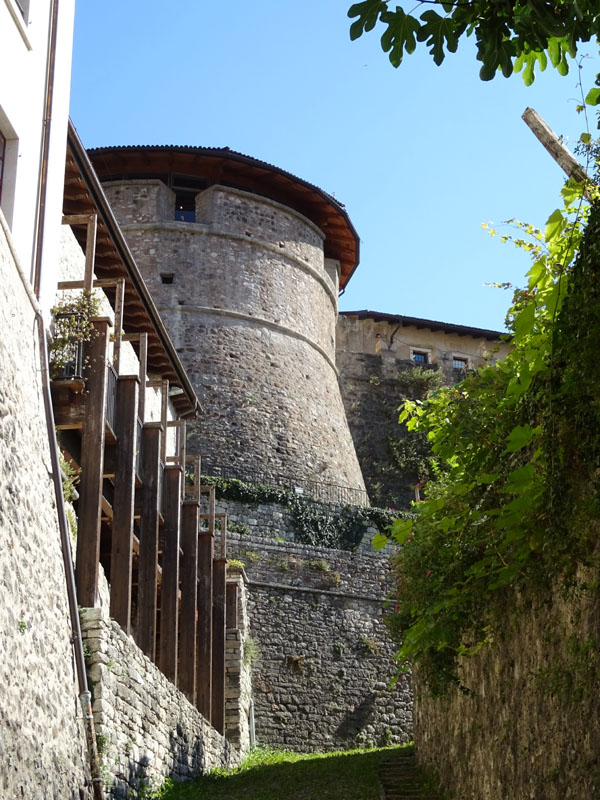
(277, 775)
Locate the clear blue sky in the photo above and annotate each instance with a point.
(420, 156)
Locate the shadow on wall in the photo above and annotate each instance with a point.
(356, 720)
(187, 763)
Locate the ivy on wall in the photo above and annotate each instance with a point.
(315, 523)
(514, 499)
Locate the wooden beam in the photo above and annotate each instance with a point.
(205, 623)
(148, 560)
(119, 307)
(169, 592)
(217, 717)
(123, 501)
(92, 463)
(189, 600)
(231, 606)
(559, 152)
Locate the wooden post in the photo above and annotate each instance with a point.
(218, 658)
(119, 307)
(148, 561)
(124, 501)
(231, 610)
(92, 467)
(205, 617)
(559, 152)
(169, 593)
(189, 599)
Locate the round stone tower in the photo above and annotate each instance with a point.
(244, 262)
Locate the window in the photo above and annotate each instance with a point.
(185, 206)
(167, 277)
(458, 362)
(420, 356)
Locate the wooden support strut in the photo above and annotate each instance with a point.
(205, 624)
(148, 560)
(124, 501)
(231, 606)
(91, 221)
(217, 717)
(92, 467)
(189, 599)
(169, 593)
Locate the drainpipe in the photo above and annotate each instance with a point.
(85, 696)
(45, 149)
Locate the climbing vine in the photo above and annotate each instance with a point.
(515, 443)
(315, 523)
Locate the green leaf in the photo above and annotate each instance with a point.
(379, 541)
(368, 13)
(554, 226)
(520, 437)
(438, 31)
(586, 138)
(400, 35)
(572, 191)
(593, 97)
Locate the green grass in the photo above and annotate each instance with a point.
(281, 775)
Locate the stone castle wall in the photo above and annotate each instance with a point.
(324, 657)
(41, 736)
(146, 728)
(529, 728)
(251, 307)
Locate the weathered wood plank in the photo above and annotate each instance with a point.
(123, 501)
(218, 655)
(231, 606)
(205, 623)
(92, 460)
(169, 592)
(148, 558)
(189, 600)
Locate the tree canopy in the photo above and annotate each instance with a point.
(511, 36)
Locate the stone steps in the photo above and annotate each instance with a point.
(401, 779)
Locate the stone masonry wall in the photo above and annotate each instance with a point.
(238, 687)
(146, 728)
(251, 308)
(274, 521)
(41, 737)
(324, 656)
(529, 729)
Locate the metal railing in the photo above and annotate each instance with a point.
(315, 490)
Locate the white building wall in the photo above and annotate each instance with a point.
(24, 41)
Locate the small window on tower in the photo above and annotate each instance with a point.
(185, 207)
(167, 277)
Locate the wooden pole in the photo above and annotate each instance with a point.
(189, 600)
(169, 591)
(218, 657)
(205, 623)
(92, 467)
(124, 501)
(149, 520)
(563, 157)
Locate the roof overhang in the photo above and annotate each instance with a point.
(228, 168)
(433, 325)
